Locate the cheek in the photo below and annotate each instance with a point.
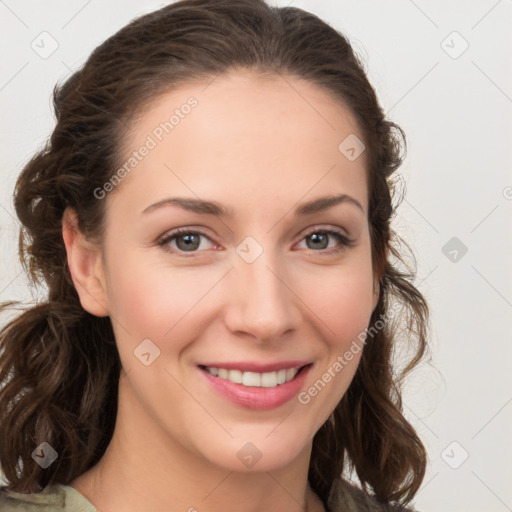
(342, 301)
(344, 308)
(342, 304)
(157, 302)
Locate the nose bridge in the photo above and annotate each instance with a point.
(261, 303)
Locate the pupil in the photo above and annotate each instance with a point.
(315, 237)
(189, 243)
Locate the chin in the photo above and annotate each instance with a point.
(260, 451)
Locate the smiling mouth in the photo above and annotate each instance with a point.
(255, 379)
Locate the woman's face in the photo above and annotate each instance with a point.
(252, 289)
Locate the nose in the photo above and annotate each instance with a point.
(261, 301)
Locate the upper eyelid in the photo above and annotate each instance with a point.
(325, 227)
(173, 233)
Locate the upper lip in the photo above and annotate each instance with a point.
(246, 366)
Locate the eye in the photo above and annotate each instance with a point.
(183, 240)
(187, 240)
(319, 240)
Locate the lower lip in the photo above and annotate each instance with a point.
(257, 397)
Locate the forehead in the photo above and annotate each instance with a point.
(242, 135)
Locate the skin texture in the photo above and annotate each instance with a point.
(260, 145)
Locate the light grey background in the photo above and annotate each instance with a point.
(455, 107)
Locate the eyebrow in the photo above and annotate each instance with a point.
(213, 208)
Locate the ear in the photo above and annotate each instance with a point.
(85, 262)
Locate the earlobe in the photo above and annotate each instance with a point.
(85, 265)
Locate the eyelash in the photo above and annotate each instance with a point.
(345, 242)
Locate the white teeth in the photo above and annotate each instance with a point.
(235, 376)
(251, 379)
(269, 380)
(290, 373)
(254, 379)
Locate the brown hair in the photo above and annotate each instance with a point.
(59, 366)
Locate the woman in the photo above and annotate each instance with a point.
(197, 351)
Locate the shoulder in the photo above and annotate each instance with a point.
(347, 497)
(47, 500)
(56, 498)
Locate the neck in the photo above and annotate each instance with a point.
(144, 468)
